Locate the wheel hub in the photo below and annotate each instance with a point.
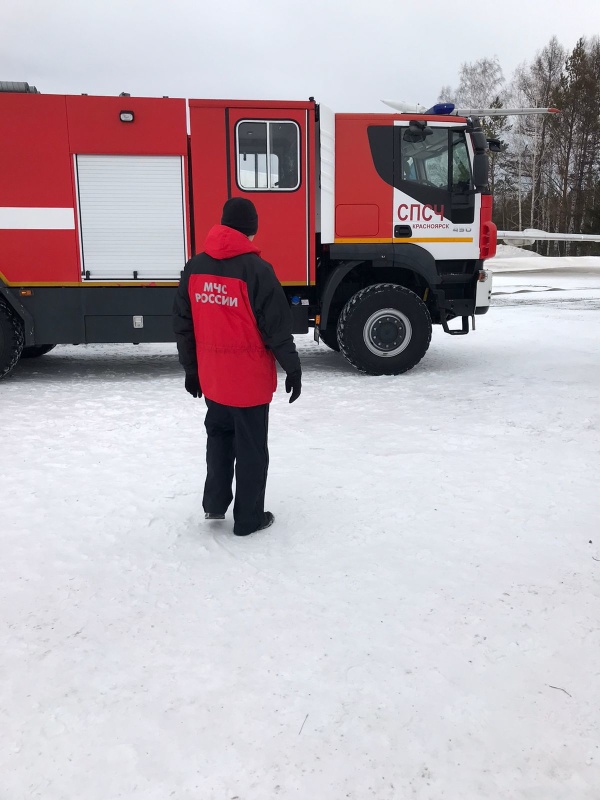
(387, 332)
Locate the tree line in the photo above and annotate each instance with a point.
(548, 177)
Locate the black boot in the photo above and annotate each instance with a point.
(268, 520)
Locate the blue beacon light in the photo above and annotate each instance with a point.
(442, 109)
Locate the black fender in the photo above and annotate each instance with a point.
(13, 302)
(402, 256)
(333, 281)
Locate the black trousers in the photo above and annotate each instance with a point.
(237, 436)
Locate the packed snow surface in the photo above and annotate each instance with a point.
(420, 622)
(504, 251)
(516, 259)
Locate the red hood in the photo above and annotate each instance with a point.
(224, 242)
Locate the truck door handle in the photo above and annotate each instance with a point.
(402, 231)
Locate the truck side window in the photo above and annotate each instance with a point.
(435, 171)
(252, 155)
(268, 155)
(427, 162)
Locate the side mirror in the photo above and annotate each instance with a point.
(481, 161)
(479, 141)
(417, 131)
(496, 145)
(481, 168)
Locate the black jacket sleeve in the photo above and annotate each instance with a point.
(183, 326)
(274, 319)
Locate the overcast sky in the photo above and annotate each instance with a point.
(347, 55)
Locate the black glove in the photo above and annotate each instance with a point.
(192, 385)
(293, 384)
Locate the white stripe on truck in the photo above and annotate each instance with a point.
(17, 218)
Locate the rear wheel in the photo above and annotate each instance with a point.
(384, 329)
(35, 351)
(11, 339)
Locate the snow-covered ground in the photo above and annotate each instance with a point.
(421, 622)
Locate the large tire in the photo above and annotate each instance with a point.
(35, 351)
(11, 339)
(329, 337)
(384, 329)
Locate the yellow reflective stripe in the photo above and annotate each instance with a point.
(463, 239)
(86, 283)
(114, 284)
(432, 240)
(363, 241)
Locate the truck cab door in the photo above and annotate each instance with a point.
(434, 198)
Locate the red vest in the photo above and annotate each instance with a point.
(234, 366)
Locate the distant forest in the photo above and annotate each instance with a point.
(549, 175)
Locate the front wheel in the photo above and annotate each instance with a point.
(384, 329)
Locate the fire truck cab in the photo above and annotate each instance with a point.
(377, 225)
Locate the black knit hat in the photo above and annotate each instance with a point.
(240, 214)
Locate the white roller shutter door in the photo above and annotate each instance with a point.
(131, 217)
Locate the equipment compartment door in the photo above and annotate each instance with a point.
(268, 157)
(131, 217)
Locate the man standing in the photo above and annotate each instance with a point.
(232, 320)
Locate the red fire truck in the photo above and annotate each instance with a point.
(378, 225)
